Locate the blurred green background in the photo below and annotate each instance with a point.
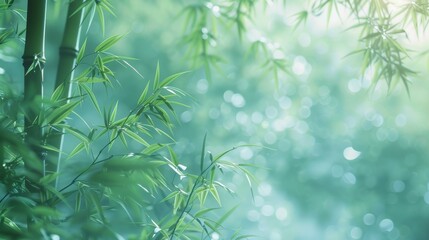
(342, 160)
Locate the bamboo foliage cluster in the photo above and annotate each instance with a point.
(384, 28)
(142, 189)
(204, 25)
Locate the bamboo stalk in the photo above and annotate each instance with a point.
(33, 62)
(68, 52)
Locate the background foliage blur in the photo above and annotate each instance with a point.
(346, 160)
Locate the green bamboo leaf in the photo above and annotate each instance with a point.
(212, 173)
(91, 80)
(202, 194)
(176, 170)
(156, 78)
(78, 201)
(166, 103)
(91, 96)
(132, 67)
(5, 35)
(153, 148)
(58, 93)
(10, 225)
(123, 139)
(76, 132)
(48, 178)
(91, 14)
(215, 194)
(100, 13)
(136, 137)
(300, 18)
(130, 119)
(81, 52)
(171, 78)
(355, 52)
(247, 236)
(62, 112)
(34, 64)
(50, 148)
(178, 200)
(84, 4)
(106, 120)
(143, 95)
(170, 196)
(108, 43)
(97, 204)
(222, 219)
(203, 152)
(112, 116)
(134, 161)
(173, 156)
(59, 196)
(43, 211)
(203, 212)
(107, 6)
(211, 226)
(77, 150)
(99, 64)
(142, 129)
(162, 114)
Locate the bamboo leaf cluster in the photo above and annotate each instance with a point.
(384, 28)
(206, 22)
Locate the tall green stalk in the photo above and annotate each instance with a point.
(68, 52)
(33, 61)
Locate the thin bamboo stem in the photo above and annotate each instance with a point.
(68, 52)
(33, 61)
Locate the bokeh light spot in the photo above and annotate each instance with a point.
(264, 189)
(241, 118)
(227, 95)
(386, 225)
(267, 210)
(257, 117)
(349, 178)
(186, 116)
(301, 127)
(215, 236)
(398, 186)
(246, 153)
(253, 215)
(285, 102)
(350, 153)
(356, 233)
(238, 100)
(202, 86)
(271, 112)
(281, 213)
(55, 237)
(354, 85)
(270, 138)
(401, 120)
(304, 112)
(426, 197)
(214, 113)
(369, 219)
(299, 65)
